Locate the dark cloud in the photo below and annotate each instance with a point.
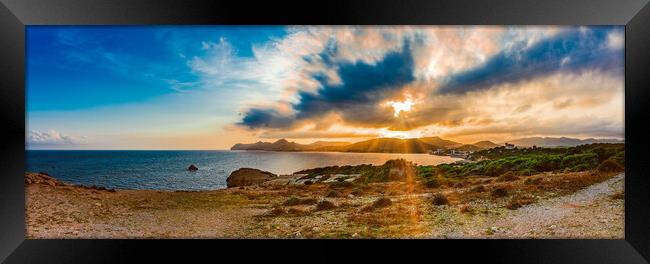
(356, 97)
(265, 118)
(571, 51)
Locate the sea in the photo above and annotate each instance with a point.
(167, 169)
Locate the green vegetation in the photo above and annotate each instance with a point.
(506, 164)
(528, 161)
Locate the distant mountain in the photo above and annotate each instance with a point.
(559, 142)
(412, 145)
(320, 144)
(388, 145)
(436, 141)
(486, 144)
(284, 145)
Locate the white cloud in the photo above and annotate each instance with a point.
(616, 40)
(52, 138)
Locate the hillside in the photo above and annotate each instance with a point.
(486, 144)
(436, 141)
(389, 145)
(558, 142)
(284, 145)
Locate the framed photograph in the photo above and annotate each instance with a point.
(510, 129)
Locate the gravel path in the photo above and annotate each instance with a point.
(588, 213)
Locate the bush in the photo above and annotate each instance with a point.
(499, 192)
(334, 194)
(506, 177)
(610, 166)
(432, 183)
(571, 161)
(276, 211)
(439, 199)
(382, 202)
(325, 205)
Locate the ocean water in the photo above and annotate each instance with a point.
(167, 170)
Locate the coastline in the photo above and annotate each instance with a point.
(323, 210)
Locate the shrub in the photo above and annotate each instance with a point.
(432, 183)
(276, 211)
(382, 202)
(499, 192)
(439, 199)
(325, 205)
(609, 166)
(506, 177)
(518, 202)
(571, 161)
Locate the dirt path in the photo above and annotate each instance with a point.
(589, 213)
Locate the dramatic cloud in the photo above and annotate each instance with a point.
(571, 51)
(453, 81)
(359, 89)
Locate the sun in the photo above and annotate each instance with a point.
(404, 106)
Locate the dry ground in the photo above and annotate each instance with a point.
(565, 205)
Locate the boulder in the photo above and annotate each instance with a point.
(248, 176)
(42, 178)
(193, 168)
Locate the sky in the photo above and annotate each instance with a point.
(209, 87)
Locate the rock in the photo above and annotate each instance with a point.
(42, 178)
(192, 168)
(248, 176)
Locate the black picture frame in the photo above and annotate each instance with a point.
(15, 15)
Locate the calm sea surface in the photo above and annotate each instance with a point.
(167, 170)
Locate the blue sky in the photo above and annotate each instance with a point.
(208, 87)
(81, 67)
